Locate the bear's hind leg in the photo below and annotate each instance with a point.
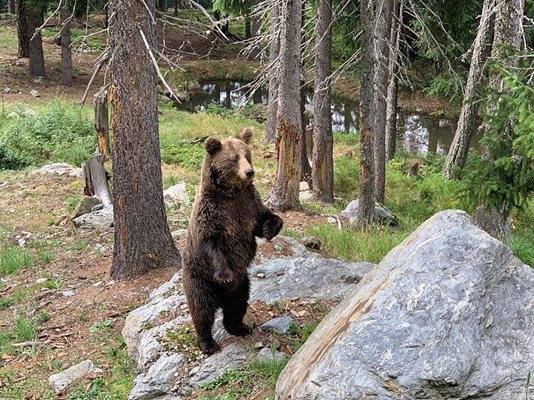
(234, 306)
(202, 306)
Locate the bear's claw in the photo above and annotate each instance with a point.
(272, 226)
(209, 346)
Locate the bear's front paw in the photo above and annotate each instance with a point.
(224, 276)
(209, 346)
(240, 330)
(272, 226)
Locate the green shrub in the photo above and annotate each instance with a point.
(59, 133)
(14, 258)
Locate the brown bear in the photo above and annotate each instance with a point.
(220, 245)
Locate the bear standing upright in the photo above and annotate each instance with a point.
(227, 216)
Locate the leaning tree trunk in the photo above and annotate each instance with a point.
(273, 74)
(366, 185)
(66, 54)
(142, 238)
(467, 122)
(285, 193)
(381, 77)
(394, 58)
(22, 29)
(35, 19)
(322, 159)
(508, 34)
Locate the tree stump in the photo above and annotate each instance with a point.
(96, 183)
(100, 105)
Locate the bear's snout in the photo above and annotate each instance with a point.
(249, 173)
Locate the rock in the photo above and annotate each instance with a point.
(179, 233)
(35, 93)
(304, 186)
(279, 325)
(177, 196)
(62, 379)
(39, 79)
(67, 293)
(268, 355)
(311, 243)
(59, 169)
(86, 205)
(219, 333)
(40, 280)
(447, 314)
(305, 277)
(305, 195)
(382, 214)
(281, 247)
(193, 86)
(164, 99)
(7, 90)
(158, 380)
(230, 357)
(100, 219)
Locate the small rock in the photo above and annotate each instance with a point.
(177, 195)
(68, 293)
(311, 243)
(331, 220)
(39, 79)
(260, 275)
(258, 345)
(193, 86)
(21, 242)
(179, 233)
(59, 169)
(40, 280)
(7, 90)
(61, 380)
(305, 195)
(270, 355)
(304, 186)
(85, 206)
(35, 93)
(279, 325)
(101, 219)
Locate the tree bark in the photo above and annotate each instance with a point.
(35, 19)
(285, 193)
(248, 32)
(381, 76)
(467, 122)
(273, 74)
(255, 33)
(22, 29)
(162, 5)
(322, 159)
(66, 54)
(508, 34)
(394, 57)
(305, 166)
(11, 8)
(142, 238)
(366, 186)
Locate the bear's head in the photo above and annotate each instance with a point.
(228, 162)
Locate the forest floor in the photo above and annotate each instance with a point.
(58, 305)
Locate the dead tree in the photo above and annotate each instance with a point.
(284, 194)
(66, 53)
(466, 127)
(322, 159)
(96, 183)
(100, 106)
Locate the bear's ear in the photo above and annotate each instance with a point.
(246, 135)
(212, 145)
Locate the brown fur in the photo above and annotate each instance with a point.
(227, 215)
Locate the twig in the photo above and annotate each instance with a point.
(171, 92)
(211, 19)
(104, 59)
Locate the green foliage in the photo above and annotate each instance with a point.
(507, 172)
(25, 329)
(445, 86)
(186, 155)
(59, 133)
(13, 259)
(8, 160)
(101, 326)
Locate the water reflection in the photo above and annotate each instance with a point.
(417, 132)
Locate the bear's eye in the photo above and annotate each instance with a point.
(235, 158)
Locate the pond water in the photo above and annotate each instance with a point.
(417, 132)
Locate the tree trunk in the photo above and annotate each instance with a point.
(101, 120)
(322, 159)
(285, 193)
(11, 9)
(142, 238)
(508, 34)
(22, 29)
(162, 5)
(256, 27)
(467, 122)
(366, 209)
(66, 55)
(35, 19)
(305, 167)
(381, 77)
(394, 57)
(273, 74)
(248, 33)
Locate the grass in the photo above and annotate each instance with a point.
(13, 259)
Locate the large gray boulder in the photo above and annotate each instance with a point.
(446, 315)
(383, 215)
(318, 278)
